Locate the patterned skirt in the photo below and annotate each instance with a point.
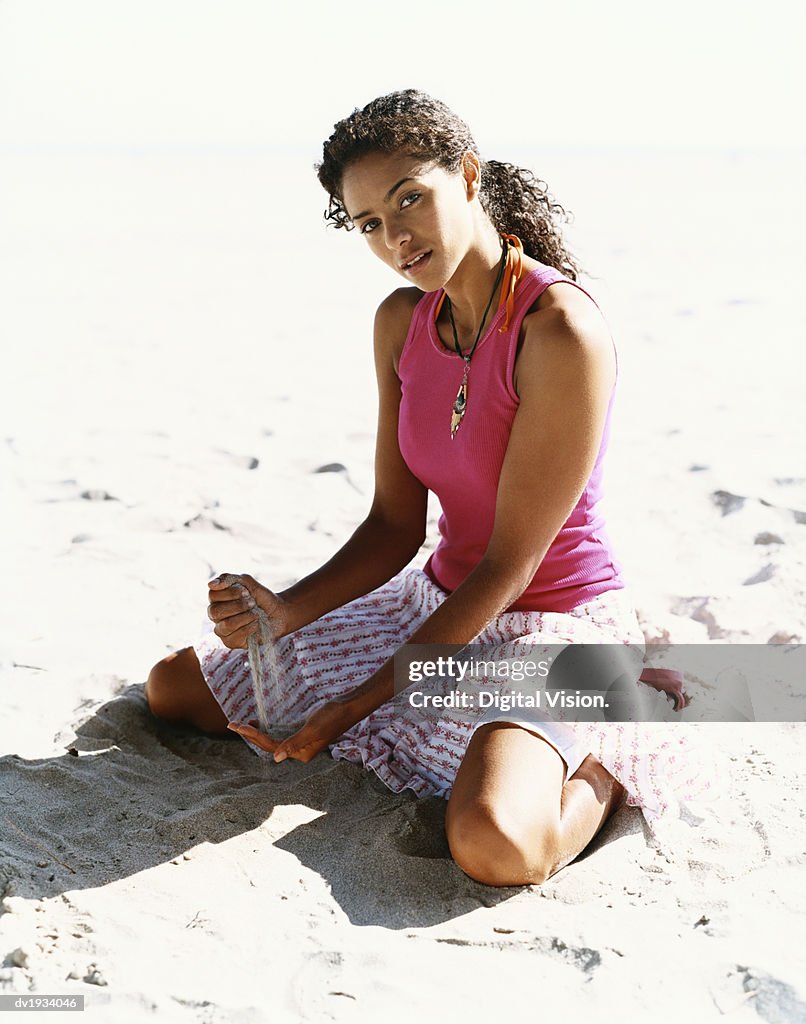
(658, 764)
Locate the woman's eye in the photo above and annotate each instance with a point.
(405, 202)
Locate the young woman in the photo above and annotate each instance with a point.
(496, 374)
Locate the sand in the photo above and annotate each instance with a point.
(184, 401)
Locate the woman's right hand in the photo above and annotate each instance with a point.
(233, 603)
(321, 728)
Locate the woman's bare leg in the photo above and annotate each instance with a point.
(512, 819)
(176, 690)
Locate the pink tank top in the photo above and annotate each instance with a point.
(463, 472)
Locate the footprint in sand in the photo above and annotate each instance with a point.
(203, 522)
(98, 494)
(728, 502)
(764, 574)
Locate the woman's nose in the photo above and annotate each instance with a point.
(397, 235)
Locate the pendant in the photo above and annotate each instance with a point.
(460, 403)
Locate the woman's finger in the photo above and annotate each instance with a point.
(224, 579)
(249, 583)
(291, 746)
(233, 594)
(218, 611)
(219, 585)
(298, 747)
(236, 621)
(235, 624)
(239, 640)
(260, 739)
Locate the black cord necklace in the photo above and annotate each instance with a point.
(460, 404)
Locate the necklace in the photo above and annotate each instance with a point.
(509, 243)
(460, 403)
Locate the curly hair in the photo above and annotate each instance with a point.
(414, 123)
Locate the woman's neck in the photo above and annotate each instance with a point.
(471, 286)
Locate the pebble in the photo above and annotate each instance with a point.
(765, 537)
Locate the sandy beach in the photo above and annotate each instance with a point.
(193, 392)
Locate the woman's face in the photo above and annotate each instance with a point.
(416, 216)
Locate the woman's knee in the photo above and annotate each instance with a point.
(495, 849)
(167, 688)
(176, 690)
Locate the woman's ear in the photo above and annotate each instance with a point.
(471, 171)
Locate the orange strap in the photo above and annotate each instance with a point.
(513, 272)
(440, 300)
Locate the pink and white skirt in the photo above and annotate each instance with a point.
(657, 764)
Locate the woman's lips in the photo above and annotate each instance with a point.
(415, 268)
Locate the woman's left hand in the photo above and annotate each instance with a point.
(233, 599)
(321, 728)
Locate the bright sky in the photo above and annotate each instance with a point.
(184, 73)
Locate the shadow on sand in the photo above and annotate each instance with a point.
(141, 792)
